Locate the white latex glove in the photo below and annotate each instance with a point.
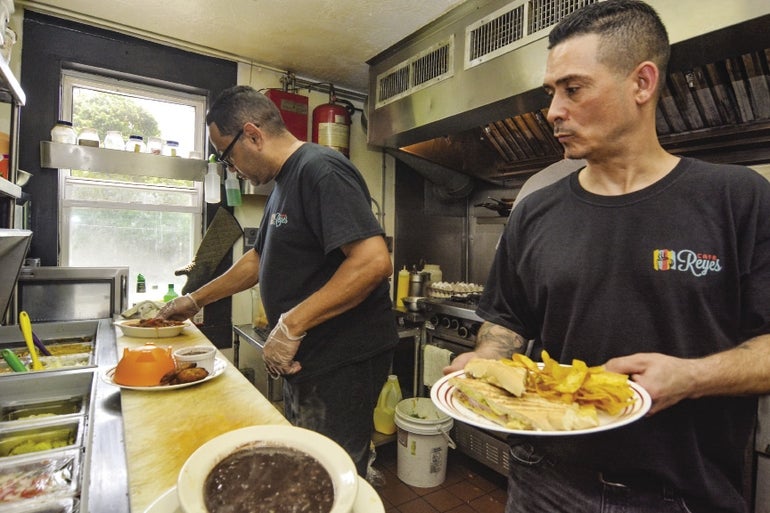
(280, 349)
(179, 309)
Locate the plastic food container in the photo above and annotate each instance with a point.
(154, 145)
(62, 132)
(114, 140)
(89, 137)
(202, 356)
(171, 149)
(51, 479)
(136, 144)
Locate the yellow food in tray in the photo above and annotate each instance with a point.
(36, 440)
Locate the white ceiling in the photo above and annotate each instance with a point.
(319, 40)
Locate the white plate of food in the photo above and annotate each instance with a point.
(445, 396)
(219, 367)
(151, 328)
(305, 466)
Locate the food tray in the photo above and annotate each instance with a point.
(20, 411)
(41, 437)
(52, 505)
(41, 483)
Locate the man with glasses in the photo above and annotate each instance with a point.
(322, 264)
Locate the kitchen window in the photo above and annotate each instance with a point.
(148, 223)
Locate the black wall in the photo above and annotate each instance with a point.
(52, 44)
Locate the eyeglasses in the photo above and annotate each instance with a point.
(224, 158)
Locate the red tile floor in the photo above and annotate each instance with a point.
(469, 487)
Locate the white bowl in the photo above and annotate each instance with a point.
(192, 477)
(130, 329)
(201, 356)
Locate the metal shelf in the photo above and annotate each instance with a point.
(12, 92)
(86, 158)
(9, 189)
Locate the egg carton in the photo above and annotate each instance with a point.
(447, 290)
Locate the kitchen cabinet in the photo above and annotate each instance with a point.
(10, 92)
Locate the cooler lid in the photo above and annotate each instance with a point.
(13, 248)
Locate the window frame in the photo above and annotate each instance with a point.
(71, 79)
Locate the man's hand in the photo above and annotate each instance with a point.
(667, 379)
(179, 309)
(459, 362)
(280, 349)
(493, 342)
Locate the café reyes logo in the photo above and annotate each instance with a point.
(277, 219)
(699, 264)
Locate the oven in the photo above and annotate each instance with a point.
(452, 324)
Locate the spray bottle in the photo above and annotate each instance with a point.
(211, 185)
(233, 189)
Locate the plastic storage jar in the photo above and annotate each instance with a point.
(114, 140)
(135, 143)
(89, 137)
(62, 132)
(154, 145)
(171, 149)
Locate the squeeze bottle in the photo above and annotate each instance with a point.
(402, 286)
(385, 411)
(211, 185)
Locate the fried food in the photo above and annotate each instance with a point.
(191, 375)
(185, 373)
(578, 383)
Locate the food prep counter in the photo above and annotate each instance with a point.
(162, 428)
(118, 449)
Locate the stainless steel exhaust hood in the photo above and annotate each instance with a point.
(464, 93)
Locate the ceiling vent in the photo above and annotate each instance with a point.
(418, 72)
(513, 26)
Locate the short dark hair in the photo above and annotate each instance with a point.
(630, 30)
(241, 104)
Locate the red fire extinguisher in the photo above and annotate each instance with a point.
(331, 124)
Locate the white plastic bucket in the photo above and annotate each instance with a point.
(423, 438)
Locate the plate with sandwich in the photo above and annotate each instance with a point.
(540, 399)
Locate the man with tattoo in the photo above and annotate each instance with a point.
(654, 265)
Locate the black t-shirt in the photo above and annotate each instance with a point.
(681, 267)
(320, 202)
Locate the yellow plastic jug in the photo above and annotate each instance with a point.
(385, 411)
